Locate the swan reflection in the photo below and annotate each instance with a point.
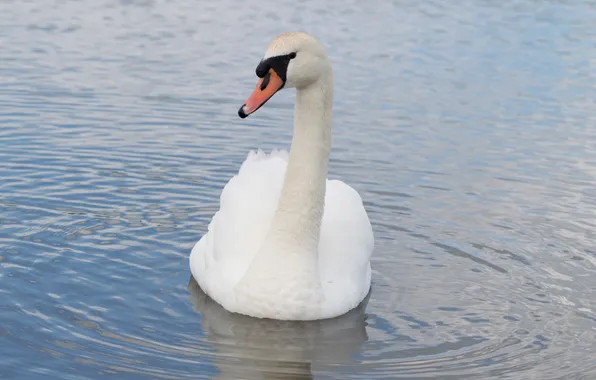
(251, 348)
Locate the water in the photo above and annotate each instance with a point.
(467, 127)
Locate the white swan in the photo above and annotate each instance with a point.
(287, 243)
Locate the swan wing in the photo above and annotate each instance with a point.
(247, 205)
(345, 247)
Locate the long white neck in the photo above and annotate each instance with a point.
(297, 220)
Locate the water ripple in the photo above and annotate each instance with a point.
(466, 128)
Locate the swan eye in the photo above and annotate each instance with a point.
(292, 55)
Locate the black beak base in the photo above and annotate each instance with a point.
(277, 63)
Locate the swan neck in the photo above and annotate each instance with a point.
(300, 208)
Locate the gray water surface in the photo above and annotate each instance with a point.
(468, 127)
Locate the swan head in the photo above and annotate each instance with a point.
(292, 60)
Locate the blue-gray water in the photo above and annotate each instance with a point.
(468, 127)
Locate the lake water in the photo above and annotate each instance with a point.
(468, 127)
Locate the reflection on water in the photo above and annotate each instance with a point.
(466, 126)
(262, 348)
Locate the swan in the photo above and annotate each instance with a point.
(286, 242)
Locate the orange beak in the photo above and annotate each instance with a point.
(266, 88)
